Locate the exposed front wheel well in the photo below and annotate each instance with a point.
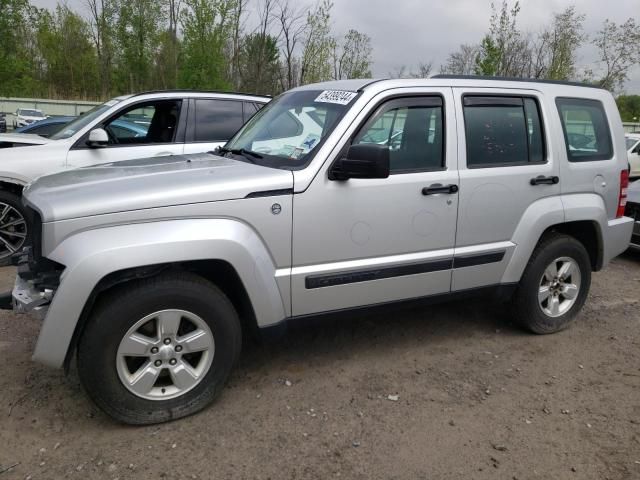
(588, 234)
(11, 187)
(219, 272)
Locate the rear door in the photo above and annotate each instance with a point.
(212, 122)
(506, 166)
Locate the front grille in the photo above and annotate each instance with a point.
(633, 210)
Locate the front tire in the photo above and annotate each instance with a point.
(159, 349)
(554, 286)
(14, 228)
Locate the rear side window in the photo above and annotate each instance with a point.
(586, 130)
(217, 120)
(503, 131)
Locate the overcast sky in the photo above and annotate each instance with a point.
(406, 32)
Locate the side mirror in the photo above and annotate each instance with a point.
(362, 161)
(98, 138)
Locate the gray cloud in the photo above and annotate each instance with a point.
(406, 32)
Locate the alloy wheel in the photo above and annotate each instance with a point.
(165, 354)
(13, 230)
(559, 286)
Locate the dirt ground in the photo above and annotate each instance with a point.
(476, 398)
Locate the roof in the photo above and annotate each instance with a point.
(514, 79)
(200, 92)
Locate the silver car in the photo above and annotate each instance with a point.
(334, 197)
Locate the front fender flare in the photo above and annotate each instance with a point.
(91, 255)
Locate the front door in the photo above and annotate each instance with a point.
(369, 241)
(506, 170)
(148, 129)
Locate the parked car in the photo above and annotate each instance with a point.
(633, 211)
(633, 153)
(27, 116)
(134, 126)
(169, 262)
(49, 126)
(3, 123)
(45, 127)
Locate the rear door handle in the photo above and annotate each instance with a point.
(542, 180)
(437, 188)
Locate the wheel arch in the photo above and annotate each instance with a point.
(219, 272)
(581, 216)
(224, 251)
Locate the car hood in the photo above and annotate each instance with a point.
(150, 183)
(24, 138)
(633, 192)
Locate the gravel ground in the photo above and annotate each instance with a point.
(453, 391)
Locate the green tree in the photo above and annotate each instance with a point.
(18, 66)
(69, 60)
(207, 27)
(316, 63)
(619, 48)
(259, 66)
(352, 59)
(629, 107)
(138, 28)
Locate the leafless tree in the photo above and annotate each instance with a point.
(291, 21)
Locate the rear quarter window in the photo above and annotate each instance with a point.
(586, 129)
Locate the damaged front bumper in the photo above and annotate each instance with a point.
(35, 285)
(27, 298)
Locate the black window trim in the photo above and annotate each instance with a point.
(593, 158)
(406, 100)
(179, 139)
(504, 100)
(193, 123)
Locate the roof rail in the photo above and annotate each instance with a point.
(515, 79)
(187, 90)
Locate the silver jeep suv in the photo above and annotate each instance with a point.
(333, 197)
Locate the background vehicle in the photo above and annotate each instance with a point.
(134, 126)
(27, 116)
(49, 126)
(45, 127)
(3, 123)
(168, 262)
(633, 153)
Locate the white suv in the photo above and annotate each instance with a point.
(27, 116)
(150, 124)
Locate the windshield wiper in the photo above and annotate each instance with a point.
(238, 151)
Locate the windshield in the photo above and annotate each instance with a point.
(287, 132)
(31, 113)
(70, 129)
(631, 142)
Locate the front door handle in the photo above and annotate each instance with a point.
(437, 188)
(542, 180)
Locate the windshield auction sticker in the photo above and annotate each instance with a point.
(340, 97)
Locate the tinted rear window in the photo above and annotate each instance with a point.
(586, 130)
(217, 120)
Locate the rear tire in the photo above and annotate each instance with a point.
(554, 286)
(177, 329)
(14, 226)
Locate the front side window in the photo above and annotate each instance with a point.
(502, 131)
(412, 129)
(71, 128)
(143, 124)
(586, 130)
(217, 120)
(287, 131)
